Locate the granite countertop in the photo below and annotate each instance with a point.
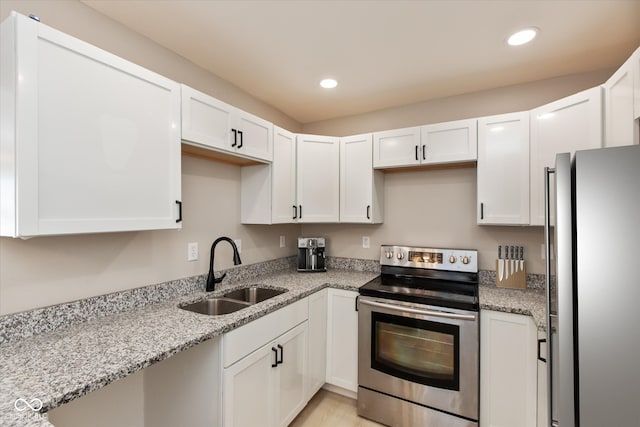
(70, 362)
(530, 302)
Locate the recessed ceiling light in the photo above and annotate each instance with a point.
(522, 37)
(328, 83)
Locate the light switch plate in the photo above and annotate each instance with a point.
(366, 243)
(282, 242)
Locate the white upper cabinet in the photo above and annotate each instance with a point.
(268, 191)
(564, 126)
(284, 176)
(449, 142)
(212, 124)
(361, 187)
(318, 183)
(619, 105)
(398, 147)
(503, 169)
(90, 142)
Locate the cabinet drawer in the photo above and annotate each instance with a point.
(242, 341)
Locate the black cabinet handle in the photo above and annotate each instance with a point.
(281, 355)
(235, 137)
(368, 211)
(275, 350)
(357, 296)
(540, 341)
(424, 152)
(179, 203)
(240, 133)
(417, 153)
(300, 211)
(481, 210)
(295, 212)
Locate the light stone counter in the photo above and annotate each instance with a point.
(70, 361)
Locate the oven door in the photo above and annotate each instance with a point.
(424, 354)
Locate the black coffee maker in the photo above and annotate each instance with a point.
(311, 254)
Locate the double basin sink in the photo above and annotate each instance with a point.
(232, 301)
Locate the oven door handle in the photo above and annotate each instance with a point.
(418, 311)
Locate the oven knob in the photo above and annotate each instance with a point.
(452, 259)
(400, 255)
(465, 260)
(388, 254)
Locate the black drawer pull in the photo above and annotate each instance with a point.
(540, 341)
(179, 203)
(275, 350)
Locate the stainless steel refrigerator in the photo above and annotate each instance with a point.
(593, 288)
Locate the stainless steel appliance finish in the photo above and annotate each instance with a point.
(418, 339)
(311, 254)
(593, 289)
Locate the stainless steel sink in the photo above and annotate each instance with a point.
(216, 306)
(232, 301)
(253, 294)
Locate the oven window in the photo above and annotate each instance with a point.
(416, 350)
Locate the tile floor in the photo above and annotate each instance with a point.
(328, 409)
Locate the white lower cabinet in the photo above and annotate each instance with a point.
(342, 341)
(265, 369)
(543, 403)
(508, 370)
(317, 342)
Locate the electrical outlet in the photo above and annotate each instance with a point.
(192, 251)
(238, 243)
(543, 252)
(366, 244)
(282, 242)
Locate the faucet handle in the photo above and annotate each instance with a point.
(219, 279)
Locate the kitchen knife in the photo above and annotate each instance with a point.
(521, 257)
(517, 264)
(500, 263)
(512, 260)
(506, 262)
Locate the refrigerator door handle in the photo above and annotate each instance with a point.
(547, 242)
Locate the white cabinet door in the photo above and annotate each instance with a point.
(90, 143)
(206, 120)
(284, 177)
(267, 192)
(248, 389)
(318, 183)
(342, 340)
(255, 136)
(449, 142)
(398, 147)
(361, 187)
(543, 403)
(503, 169)
(212, 124)
(291, 374)
(508, 370)
(619, 106)
(564, 126)
(317, 342)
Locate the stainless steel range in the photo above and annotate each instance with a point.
(418, 339)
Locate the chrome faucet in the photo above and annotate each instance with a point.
(211, 279)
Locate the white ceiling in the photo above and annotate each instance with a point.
(383, 53)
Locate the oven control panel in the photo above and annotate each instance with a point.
(438, 259)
